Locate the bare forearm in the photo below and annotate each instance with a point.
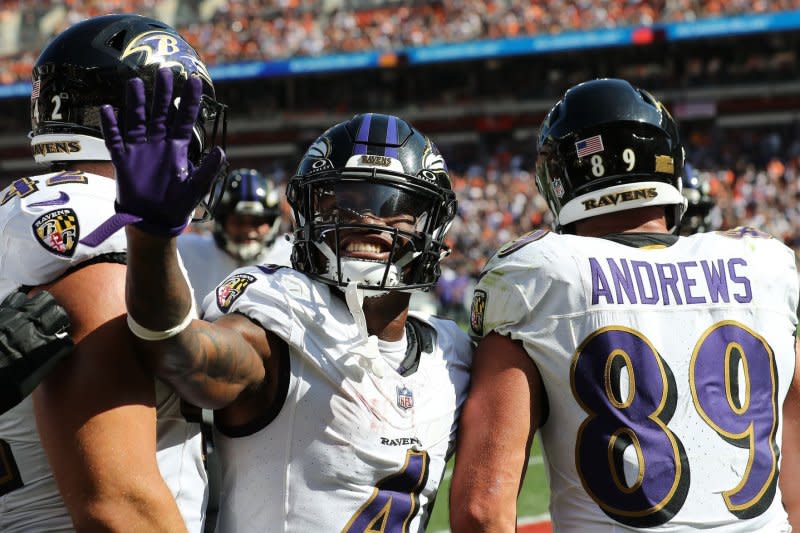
(156, 293)
(483, 494)
(497, 424)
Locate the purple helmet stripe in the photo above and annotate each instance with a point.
(246, 192)
(363, 135)
(391, 138)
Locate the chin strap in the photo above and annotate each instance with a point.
(369, 357)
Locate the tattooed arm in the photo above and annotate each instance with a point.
(208, 364)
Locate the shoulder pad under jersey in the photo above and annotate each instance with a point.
(42, 221)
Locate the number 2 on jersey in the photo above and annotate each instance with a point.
(741, 409)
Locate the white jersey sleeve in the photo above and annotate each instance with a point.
(348, 449)
(208, 265)
(665, 369)
(515, 286)
(262, 293)
(43, 219)
(205, 263)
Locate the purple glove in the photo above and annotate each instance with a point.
(157, 186)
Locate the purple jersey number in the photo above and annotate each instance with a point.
(618, 419)
(748, 423)
(394, 501)
(742, 410)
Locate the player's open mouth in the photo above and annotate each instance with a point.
(372, 248)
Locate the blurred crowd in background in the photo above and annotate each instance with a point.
(274, 29)
(753, 171)
(754, 177)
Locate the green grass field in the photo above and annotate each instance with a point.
(532, 499)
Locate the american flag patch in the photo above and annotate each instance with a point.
(589, 146)
(36, 88)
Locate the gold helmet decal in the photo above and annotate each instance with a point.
(166, 49)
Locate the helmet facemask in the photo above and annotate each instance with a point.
(247, 250)
(372, 202)
(377, 229)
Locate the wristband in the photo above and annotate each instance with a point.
(154, 335)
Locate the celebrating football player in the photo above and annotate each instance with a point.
(655, 366)
(336, 406)
(101, 445)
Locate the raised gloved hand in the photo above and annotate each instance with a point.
(33, 338)
(157, 186)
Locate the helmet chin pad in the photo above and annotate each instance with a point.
(363, 272)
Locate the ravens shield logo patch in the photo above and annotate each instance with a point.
(230, 290)
(477, 312)
(58, 231)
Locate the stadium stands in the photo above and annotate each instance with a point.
(269, 29)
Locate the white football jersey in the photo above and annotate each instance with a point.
(42, 219)
(665, 370)
(348, 451)
(207, 264)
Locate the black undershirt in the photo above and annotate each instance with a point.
(640, 240)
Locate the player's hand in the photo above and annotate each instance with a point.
(157, 186)
(33, 338)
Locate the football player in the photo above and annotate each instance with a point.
(699, 203)
(247, 222)
(101, 445)
(336, 407)
(655, 366)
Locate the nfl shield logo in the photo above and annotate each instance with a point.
(558, 188)
(405, 398)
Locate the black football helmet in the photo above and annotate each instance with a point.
(608, 146)
(88, 65)
(247, 192)
(697, 190)
(373, 175)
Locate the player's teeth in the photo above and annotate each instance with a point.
(364, 247)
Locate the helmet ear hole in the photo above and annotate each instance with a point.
(117, 41)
